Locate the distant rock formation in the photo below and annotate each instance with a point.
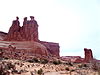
(77, 59)
(88, 55)
(23, 41)
(23, 50)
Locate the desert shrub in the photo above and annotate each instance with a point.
(95, 66)
(6, 58)
(80, 66)
(72, 70)
(85, 65)
(40, 71)
(44, 61)
(33, 60)
(57, 62)
(67, 68)
(10, 65)
(69, 63)
(4, 70)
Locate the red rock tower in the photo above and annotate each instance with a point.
(28, 32)
(88, 55)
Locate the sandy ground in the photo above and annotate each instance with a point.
(49, 69)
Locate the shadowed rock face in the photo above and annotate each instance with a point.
(53, 48)
(88, 55)
(26, 38)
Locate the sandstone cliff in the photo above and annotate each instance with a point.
(24, 41)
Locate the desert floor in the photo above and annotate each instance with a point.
(27, 68)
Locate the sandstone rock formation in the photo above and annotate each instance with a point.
(53, 48)
(28, 32)
(88, 55)
(23, 50)
(2, 35)
(23, 42)
(77, 59)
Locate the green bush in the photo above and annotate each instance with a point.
(33, 60)
(85, 65)
(6, 58)
(40, 71)
(69, 63)
(57, 62)
(82, 65)
(67, 68)
(44, 61)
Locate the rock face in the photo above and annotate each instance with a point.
(2, 35)
(23, 41)
(28, 32)
(23, 50)
(88, 55)
(53, 48)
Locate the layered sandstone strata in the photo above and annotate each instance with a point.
(24, 41)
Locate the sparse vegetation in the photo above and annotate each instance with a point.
(57, 62)
(5, 66)
(44, 61)
(83, 65)
(67, 68)
(69, 63)
(33, 60)
(95, 66)
(40, 71)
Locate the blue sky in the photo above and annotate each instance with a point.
(75, 24)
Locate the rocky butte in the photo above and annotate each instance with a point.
(88, 57)
(23, 42)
